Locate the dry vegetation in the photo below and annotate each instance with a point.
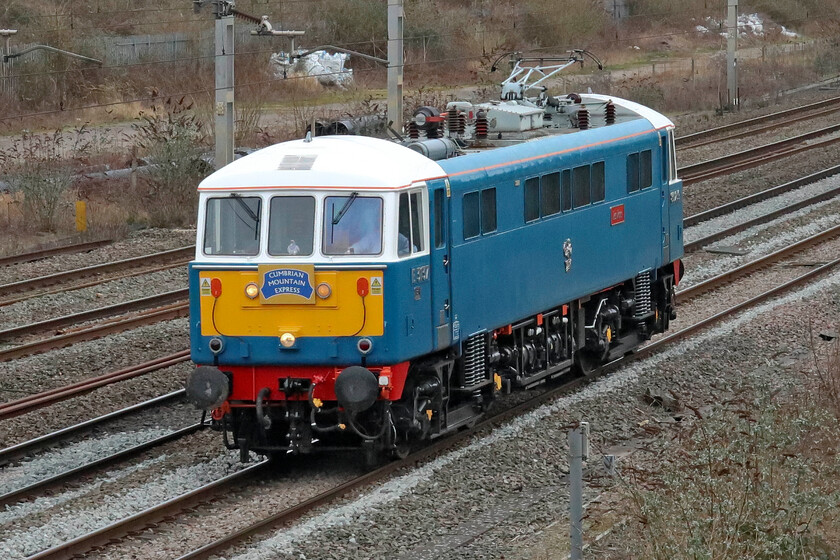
(448, 44)
(752, 477)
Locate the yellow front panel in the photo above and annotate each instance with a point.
(342, 314)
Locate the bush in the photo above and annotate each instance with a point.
(753, 481)
(40, 168)
(171, 137)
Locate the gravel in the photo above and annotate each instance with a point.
(94, 297)
(80, 453)
(86, 359)
(61, 524)
(762, 208)
(139, 243)
(761, 240)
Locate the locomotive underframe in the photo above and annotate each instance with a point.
(449, 390)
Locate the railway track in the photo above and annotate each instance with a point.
(142, 304)
(146, 264)
(39, 400)
(150, 317)
(790, 116)
(32, 446)
(754, 157)
(28, 491)
(207, 493)
(46, 253)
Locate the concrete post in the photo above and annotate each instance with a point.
(578, 453)
(224, 91)
(395, 63)
(731, 60)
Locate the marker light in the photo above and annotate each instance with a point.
(216, 287)
(362, 286)
(323, 290)
(216, 345)
(287, 340)
(365, 345)
(252, 290)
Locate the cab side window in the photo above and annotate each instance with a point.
(410, 237)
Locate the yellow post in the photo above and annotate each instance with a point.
(81, 215)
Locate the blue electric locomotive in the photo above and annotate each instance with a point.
(356, 292)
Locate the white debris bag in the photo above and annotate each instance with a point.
(327, 68)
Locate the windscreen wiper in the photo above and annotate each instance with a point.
(250, 213)
(345, 208)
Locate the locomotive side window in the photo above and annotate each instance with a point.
(404, 229)
(666, 160)
(580, 186)
(291, 225)
(472, 225)
(632, 173)
(352, 225)
(488, 210)
(532, 199)
(598, 182)
(232, 226)
(550, 194)
(646, 169)
(673, 158)
(416, 223)
(639, 171)
(410, 237)
(439, 233)
(566, 189)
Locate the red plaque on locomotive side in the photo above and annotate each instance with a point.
(616, 214)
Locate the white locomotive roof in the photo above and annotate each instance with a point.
(658, 120)
(329, 162)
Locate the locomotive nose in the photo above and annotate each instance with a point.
(356, 388)
(207, 387)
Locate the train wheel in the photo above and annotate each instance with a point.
(400, 450)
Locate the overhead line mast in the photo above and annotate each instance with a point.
(225, 12)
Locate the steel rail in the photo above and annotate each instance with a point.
(295, 512)
(78, 286)
(759, 263)
(26, 448)
(46, 253)
(38, 400)
(166, 313)
(759, 160)
(759, 196)
(691, 329)
(155, 301)
(84, 543)
(755, 156)
(24, 492)
(762, 129)
(60, 277)
(698, 244)
(689, 138)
